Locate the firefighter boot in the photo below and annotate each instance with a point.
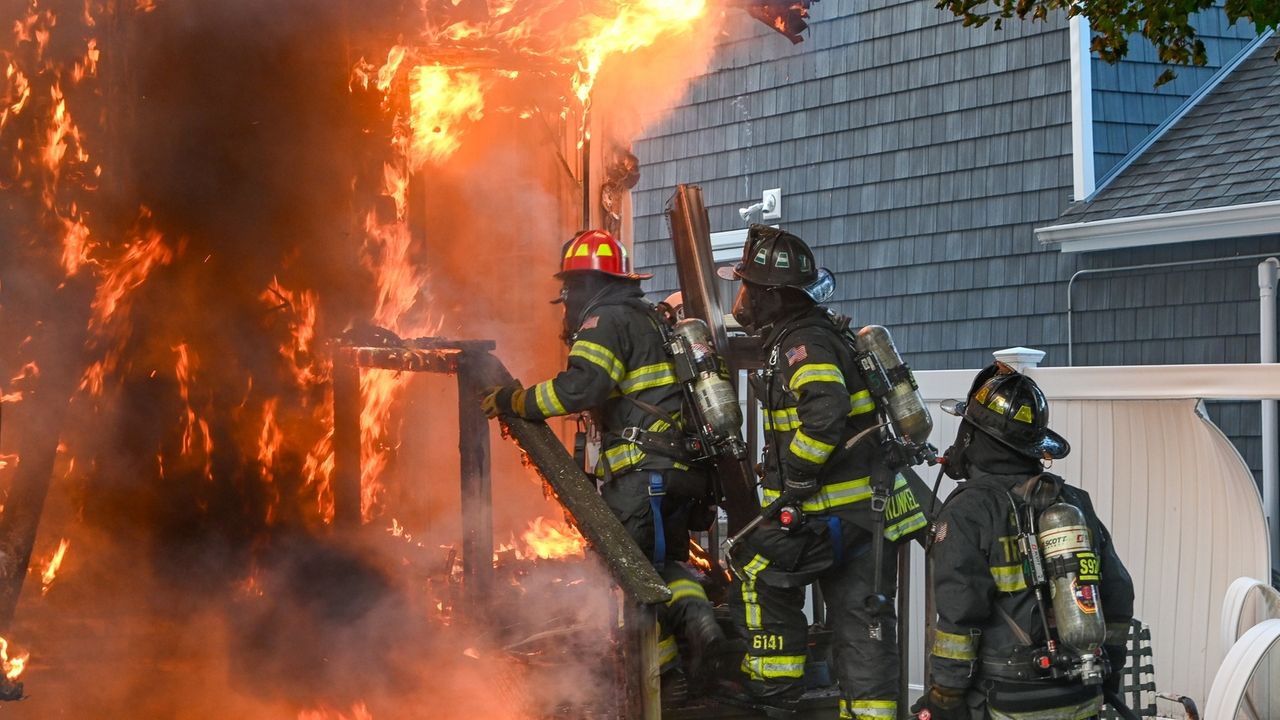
(708, 647)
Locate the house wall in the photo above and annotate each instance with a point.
(914, 154)
(1126, 105)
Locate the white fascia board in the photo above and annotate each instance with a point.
(1232, 221)
(1083, 178)
(1246, 381)
(727, 246)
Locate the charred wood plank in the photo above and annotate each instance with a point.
(346, 445)
(630, 568)
(477, 495)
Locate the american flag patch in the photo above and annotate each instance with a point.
(590, 323)
(940, 532)
(796, 354)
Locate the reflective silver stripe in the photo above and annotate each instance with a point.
(750, 600)
(548, 401)
(649, 376)
(668, 651)
(685, 590)
(784, 419)
(861, 403)
(601, 356)
(770, 667)
(830, 496)
(807, 448)
(954, 646)
(873, 708)
(816, 372)
(1008, 578)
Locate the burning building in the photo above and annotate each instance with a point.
(204, 203)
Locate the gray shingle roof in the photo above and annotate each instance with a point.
(1224, 151)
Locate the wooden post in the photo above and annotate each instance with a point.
(477, 495)
(904, 629)
(346, 443)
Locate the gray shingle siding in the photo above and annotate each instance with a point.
(914, 154)
(917, 156)
(1126, 108)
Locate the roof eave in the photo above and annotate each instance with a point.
(1232, 221)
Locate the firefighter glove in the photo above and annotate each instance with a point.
(941, 703)
(800, 489)
(497, 400)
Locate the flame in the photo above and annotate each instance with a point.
(441, 99)
(195, 425)
(7, 461)
(51, 567)
(547, 540)
(358, 712)
(12, 665)
(446, 94)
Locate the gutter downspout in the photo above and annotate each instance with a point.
(1267, 272)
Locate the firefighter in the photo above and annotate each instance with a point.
(619, 372)
(815, 403)
(986, 654)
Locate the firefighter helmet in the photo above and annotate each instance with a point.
(1009, 407)
(776, 258)
(598, 251)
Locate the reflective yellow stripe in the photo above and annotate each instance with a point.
(668, 651)
(1009, 577)
(750, 600)
(599, 355)
(954, 646)
(815, 372)
(830, 496)
(911, 524)
(784, 419)
(845, 712)
(548, 401)
(685, 590)
(873, 708)
(649, 376)
(862, 403)
(806, 448)
(621, 457)
(902, 513)
(770, 667)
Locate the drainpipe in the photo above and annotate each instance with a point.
(1267, 272)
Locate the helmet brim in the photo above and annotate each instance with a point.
(1049, 445)
(625, 276)
(730, 273)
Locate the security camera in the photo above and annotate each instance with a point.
(751, 212)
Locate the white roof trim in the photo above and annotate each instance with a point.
(1084, 180)
(726, 246)
(1232, 221)
(1245, 381)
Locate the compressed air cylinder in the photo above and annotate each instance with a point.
(1072, 567)
(905, 406)
(712, 391)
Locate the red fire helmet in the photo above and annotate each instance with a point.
(598, 251)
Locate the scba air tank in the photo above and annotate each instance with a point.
(1073, 570)
(712, 392)
(905, 406)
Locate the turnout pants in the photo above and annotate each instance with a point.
(768, 610)
(688, 612)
